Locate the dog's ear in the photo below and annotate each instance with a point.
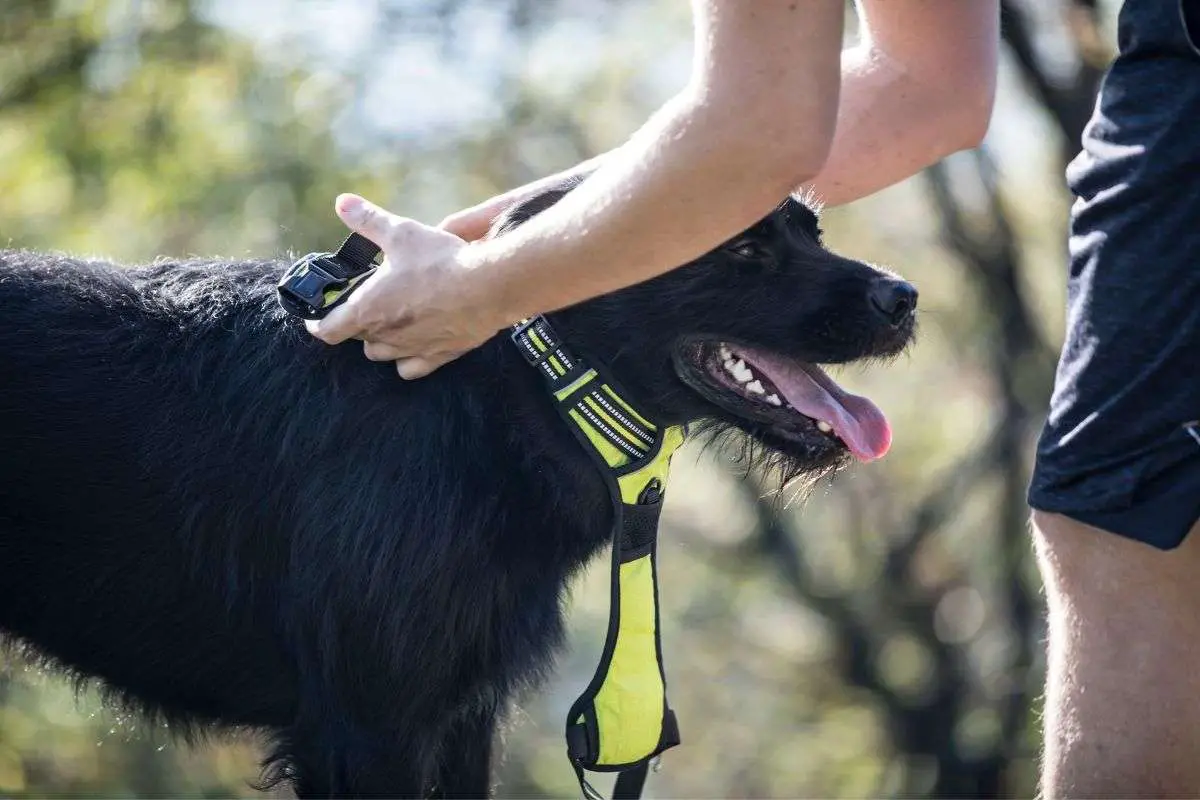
(522, 212)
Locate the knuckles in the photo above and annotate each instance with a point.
(401, 231)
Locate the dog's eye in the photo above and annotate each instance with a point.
(748, 249)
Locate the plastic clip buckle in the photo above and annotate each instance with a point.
(304, 288)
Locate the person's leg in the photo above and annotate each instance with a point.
(1122, 716)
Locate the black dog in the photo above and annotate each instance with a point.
(229, 523)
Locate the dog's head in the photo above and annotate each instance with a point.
(735, 339)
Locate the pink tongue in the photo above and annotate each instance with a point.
(856, 420)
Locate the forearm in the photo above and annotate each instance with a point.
(693, 177)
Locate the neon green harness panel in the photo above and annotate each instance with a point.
(622, 719)
(659, 467)
(629, 705)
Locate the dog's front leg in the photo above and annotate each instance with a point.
(465, 757)
(330, 760)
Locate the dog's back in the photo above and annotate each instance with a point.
(225, 519)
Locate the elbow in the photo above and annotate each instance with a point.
(787, 154)
(967, 110)
(800, 163)
(779, 144)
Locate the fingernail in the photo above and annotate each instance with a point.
(350, 205)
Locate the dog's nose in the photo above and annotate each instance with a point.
(894, 299)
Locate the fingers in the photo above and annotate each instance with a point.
(471, 224)
(409, 367)
(382, 351)
(386, 312)
(418, 367)
(383, 228)
(338, 325)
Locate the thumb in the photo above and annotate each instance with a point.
(369, 220)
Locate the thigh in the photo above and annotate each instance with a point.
(1122, 712)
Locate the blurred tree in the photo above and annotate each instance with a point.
(120, 131)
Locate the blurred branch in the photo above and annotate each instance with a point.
(941, 503)
(856, 640)
(1070, 105)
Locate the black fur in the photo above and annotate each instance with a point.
(229, 523)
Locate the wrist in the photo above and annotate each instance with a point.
(487, 288)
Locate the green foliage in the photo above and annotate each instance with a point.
(180, 143)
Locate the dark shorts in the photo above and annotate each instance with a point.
(1121, 445)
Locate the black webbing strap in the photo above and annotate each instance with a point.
(359, 253)
(318, 282)
(628, 786)
(630, 782)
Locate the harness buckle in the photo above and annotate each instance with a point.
(652, 494)
(304, 288)
(318, 282)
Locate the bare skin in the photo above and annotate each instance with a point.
(1122, 715)
(765, 72)
(911, 94)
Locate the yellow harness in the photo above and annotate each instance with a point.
(622, 720)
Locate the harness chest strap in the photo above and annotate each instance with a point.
(622, 720)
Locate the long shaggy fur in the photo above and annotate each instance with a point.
(231, 524)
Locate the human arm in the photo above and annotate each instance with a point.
(755, 120)
(918, 86)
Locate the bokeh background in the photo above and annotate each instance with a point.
(880, 636)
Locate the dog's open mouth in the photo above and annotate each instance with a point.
(796, 399)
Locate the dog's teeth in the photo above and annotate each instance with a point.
(725, 355)
(824, 427)
(774, 400)
(755, 387)
(740, 371)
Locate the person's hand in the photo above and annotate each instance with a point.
(421, 308)
(472, 224)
